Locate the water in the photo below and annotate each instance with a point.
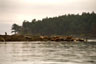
(47, 52)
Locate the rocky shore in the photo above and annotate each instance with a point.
(37, 38)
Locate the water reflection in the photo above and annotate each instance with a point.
(48, 52)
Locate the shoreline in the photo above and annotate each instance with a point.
(38, 38)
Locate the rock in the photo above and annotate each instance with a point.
(37, 38)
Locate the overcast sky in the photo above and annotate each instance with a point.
(15, 11)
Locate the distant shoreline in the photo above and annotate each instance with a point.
(38, 38)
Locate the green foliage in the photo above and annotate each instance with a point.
(62, 25)
(16, 28)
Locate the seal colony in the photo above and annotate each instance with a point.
(38, 38)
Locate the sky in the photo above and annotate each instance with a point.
(16, 11)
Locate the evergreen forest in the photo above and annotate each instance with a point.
(71, 24)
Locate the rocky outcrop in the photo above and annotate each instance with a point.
(37, 38)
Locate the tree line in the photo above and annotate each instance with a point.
(71, 24)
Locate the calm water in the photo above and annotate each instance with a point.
(47, 52)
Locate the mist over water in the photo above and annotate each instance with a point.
(48, 52)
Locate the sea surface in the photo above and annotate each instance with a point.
(48, 52)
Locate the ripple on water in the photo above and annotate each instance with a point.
(48, 52)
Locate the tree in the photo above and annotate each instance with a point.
(34, 20)
(70, 24)
(15, 28)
